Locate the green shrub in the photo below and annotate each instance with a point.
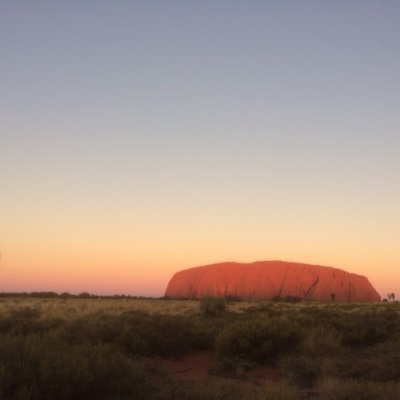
(139, 334)
(212, 306)
(363, 333)
(161, 335)
(302, 371)
(321, 341)
(93, 328)
(364, 327)
(256, 341)
(380, 363)
(37, 368)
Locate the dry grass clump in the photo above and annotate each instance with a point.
(332, 388)
(67, 308)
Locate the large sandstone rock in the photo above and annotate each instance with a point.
(266, 279)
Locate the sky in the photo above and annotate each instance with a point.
(139, 138)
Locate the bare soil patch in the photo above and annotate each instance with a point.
(199, 365)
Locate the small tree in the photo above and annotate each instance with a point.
(391, 296)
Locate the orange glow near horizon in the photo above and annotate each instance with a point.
(137, 252)
(142, 265)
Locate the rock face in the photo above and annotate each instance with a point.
(266, 279)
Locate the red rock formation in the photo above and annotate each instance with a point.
(266, 279)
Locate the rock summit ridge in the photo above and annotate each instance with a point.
(267, 279)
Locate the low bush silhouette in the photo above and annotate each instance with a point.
(163, 335)
(38, 368)
(302, 371)
(256, 340)
(139, 333)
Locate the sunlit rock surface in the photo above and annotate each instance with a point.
(267, 279)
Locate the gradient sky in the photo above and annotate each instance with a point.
(138, 138)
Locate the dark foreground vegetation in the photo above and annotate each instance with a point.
(320, 351)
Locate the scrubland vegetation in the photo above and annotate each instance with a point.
(108, 349)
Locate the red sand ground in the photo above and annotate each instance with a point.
(199, 365)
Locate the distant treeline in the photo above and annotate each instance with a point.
(66, 295)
